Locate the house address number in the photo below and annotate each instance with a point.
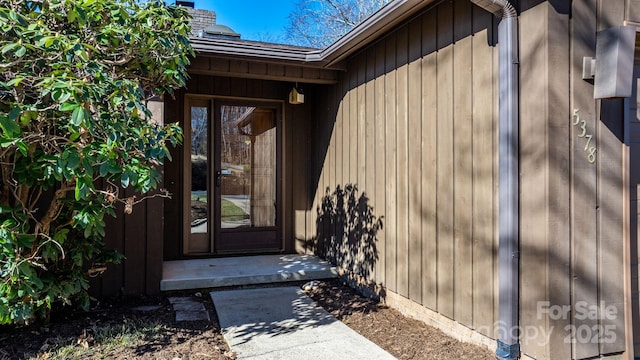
(585, 134)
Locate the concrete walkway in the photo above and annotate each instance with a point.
(284, 323)
(245, 270)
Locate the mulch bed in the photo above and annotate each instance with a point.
(187, 340)
(403, 337)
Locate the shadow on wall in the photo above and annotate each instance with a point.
(346, 236)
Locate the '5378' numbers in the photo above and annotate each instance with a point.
(583, 133)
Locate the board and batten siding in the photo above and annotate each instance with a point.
(632, 139)
(413, 123)
(572, 185)
(139, 237)
(632, 134)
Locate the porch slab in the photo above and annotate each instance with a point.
(245, 270)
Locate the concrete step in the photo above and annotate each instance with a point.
(188, 309)
(245, 270)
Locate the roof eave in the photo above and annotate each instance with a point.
(213, 47)
(360, 36)
(370, 29)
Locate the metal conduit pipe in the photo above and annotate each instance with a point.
(508, 346)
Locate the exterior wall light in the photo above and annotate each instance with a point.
(296, 96)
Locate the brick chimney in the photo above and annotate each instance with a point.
(203, 23)
(201, 19)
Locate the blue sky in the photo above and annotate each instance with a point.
(253, 19)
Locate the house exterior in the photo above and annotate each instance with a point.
(401, 126)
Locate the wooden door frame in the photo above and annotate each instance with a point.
(186, 175)
(214, 231)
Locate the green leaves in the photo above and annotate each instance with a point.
(8, 47)
(46, 41)
(74, 126)
(73, 123)
(83, 187)
(60, 92)
(18, 19)
(78, 116)
(68, 106)
(9, 127)
(20, 51)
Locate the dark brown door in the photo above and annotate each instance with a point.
(234, 193)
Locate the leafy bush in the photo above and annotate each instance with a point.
(75, 79)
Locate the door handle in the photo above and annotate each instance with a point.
(219, 174)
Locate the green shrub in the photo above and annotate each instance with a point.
(75, 79)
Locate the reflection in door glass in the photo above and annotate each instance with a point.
(199, 197)
(248, 160)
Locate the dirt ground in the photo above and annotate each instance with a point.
(121, 329)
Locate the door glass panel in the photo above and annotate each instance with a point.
(199, 170)
(248, 167)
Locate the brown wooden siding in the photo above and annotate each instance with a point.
(545, 176)
(571, 208)
(138, 237)
(412, 124)
(633, 141)
(173, 179)
(236, 68)
(430, 108)
(632, 10)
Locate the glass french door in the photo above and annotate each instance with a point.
(231, 177)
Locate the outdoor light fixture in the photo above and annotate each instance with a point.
(612, 69)
(296, 96)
